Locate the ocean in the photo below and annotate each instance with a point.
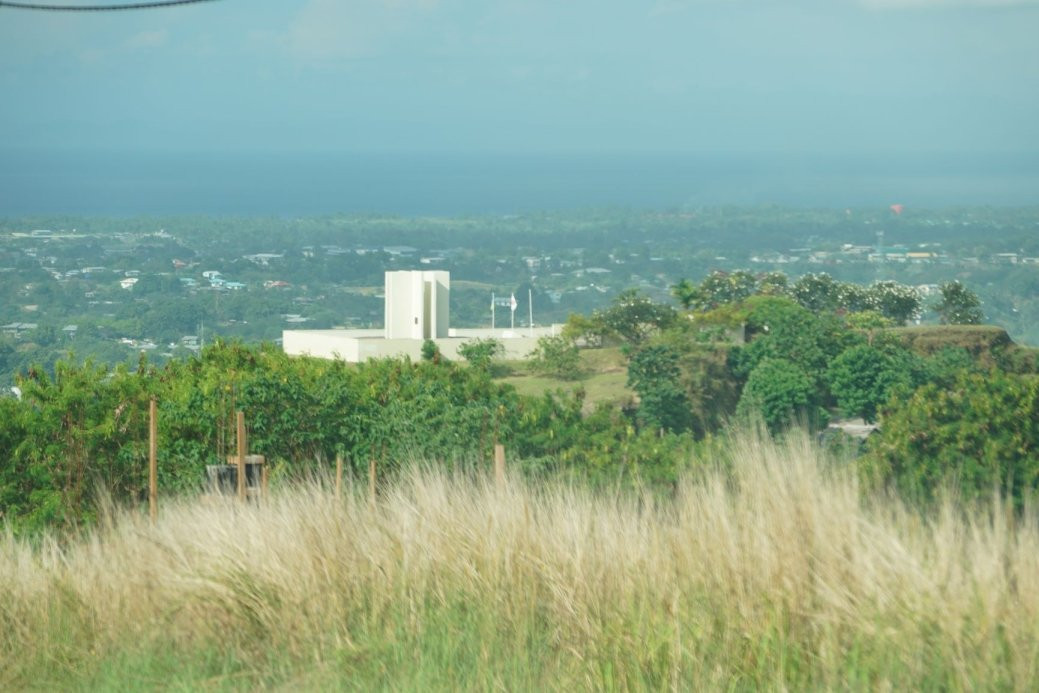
(292, 184)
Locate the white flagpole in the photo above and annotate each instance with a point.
(492, 310)
(512, 305)
(530, 304)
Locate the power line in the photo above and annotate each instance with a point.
(99, 8)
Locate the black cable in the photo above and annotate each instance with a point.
(99, 8)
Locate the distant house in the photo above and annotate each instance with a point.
(772, 258)
(234, 286)
(128, 282)
(16, 329)
(263, 259)
(191, 342)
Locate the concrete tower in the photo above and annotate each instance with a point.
(417, 304)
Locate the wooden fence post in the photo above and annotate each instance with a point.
(153, 460)
(499, 465)
(241, 456)
(339, 477)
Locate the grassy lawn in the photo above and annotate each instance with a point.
(604, 378)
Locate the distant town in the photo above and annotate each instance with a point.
(112, 288)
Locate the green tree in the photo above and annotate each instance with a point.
(686, 293)
(558, 356)
(773, 284)
(589, 330)
(481, 352)
(717, 288)
(80, 430)
(817, 292)
(654, 374)
(867, 320)
(979, 434)
(863, 377)
(781, 393)
(634, 317)
(430, 351)
(778, 328)
(893, 300)
(958, 305)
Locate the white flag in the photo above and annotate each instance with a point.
(512, 302)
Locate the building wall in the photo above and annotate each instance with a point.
(355, 346)
(441, 282)
(417, 304)
(327, 344)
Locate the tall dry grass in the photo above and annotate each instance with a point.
(774, 573)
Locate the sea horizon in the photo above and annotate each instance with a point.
(36, 181)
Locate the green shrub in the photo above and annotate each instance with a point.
(980, 434)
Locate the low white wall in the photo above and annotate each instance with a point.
(355, 346)
(326, 344)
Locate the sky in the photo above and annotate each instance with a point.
(822, 78)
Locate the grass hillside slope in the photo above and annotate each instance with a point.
(602, 376)
(771, 570)
(990, 345)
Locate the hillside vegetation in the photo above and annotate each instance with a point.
(622, 396)
(770, 569)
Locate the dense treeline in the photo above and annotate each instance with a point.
(84, 428)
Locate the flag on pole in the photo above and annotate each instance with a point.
(513, 303)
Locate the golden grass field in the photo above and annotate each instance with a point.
(770, 570)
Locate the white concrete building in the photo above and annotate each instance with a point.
(417, 304)
(417, 308)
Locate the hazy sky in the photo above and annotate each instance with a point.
(817, 76)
